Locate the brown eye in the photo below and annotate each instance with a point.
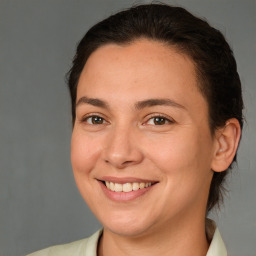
(159, 120)
(95, 120)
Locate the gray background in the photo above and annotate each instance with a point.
(39, 202)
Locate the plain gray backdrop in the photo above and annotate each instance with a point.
(39, 202)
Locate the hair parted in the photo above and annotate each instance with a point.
(215, 64)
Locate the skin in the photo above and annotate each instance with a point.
(178, 153)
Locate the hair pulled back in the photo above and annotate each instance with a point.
(217, 75)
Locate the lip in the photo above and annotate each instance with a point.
(124, 196)
(125, 180)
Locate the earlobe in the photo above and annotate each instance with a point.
(227, 140)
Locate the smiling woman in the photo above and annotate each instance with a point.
(157, 118)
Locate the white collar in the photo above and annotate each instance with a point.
(217, 246)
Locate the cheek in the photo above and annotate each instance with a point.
(185, 169)
(84, 153)
(181, 153)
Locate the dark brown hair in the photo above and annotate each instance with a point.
(216, 67)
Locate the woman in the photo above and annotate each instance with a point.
(157, 119)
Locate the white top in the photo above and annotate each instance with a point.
(88, 246)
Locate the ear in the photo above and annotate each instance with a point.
(226, 144)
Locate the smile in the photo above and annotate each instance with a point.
(126, 187)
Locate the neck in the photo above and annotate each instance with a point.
(176, 238)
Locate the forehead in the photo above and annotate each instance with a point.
(137, 54)
(143, 59)
(139, 70)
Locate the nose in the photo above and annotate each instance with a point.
(122, 148)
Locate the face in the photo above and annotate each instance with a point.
(141, 146)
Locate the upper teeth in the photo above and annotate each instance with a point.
(127, 187)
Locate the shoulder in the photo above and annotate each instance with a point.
(87, 246)
(63, 249)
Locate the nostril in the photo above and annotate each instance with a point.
(120, 164)
(127, 162)
(122, 156)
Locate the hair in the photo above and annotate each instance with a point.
(216, 68)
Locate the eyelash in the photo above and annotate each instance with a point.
(86, 118)
(167, 120)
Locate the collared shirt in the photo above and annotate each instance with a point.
(88, 246)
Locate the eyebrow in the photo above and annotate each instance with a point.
(138, 105)
(157, 102)
(93, 102)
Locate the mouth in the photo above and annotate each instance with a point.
(126, 187)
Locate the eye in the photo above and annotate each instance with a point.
(94, 120)
(159, 120)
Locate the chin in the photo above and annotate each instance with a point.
(126, 225)
(126, 230)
